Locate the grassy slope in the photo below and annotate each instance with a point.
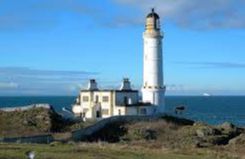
(91, 151)
(35, 122)
(173, 135)
(21, 123)
(166, 139)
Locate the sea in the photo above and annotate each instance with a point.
(209, 109)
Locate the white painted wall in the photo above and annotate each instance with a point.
(77, 109)
(153, 88)
(89, 107)
(136, 110)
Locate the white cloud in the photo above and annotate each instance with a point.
(8, 85)
(197, 14)
(26, 81)
(191, 14)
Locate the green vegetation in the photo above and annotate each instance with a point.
(29, 122)
(36, 121)
(166, 138)
(225, 140)
(168, 131)
(171, 135)
(97, 151)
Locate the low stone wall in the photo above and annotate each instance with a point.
(39, 139)
(83, 134)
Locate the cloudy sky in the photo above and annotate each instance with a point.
(52, 47)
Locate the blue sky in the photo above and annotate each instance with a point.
(52, 47)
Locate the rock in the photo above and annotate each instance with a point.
(203, 144)
(229, 129)
(205, 131)
(30, 154)
(208, 135)
(55, 143)
(227, 126)
(200, 133)
(198, 124)
(150, 134)
(218, 139)
(239, 140)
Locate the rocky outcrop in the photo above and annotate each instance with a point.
(166, 131)
(29, 121)
(215, 135)
(239, 140)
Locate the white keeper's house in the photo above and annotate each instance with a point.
(95, 103)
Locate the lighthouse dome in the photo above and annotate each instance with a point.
(153, 14)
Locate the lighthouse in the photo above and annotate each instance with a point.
(96, 103)
(153, 89)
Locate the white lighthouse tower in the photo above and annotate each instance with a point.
(153, 89)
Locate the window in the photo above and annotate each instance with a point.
(105, 111)
(85, 98)
(105, 98)
(125, 100)
(143, 111)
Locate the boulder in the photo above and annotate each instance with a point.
(239, 140)
(211, 135)
(227, 126)
(205, 131)
(229, 129)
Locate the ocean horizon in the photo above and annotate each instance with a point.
(209, 109)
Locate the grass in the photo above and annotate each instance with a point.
(91, 151)
(36, 121)
(95, 151)
(21, 123)
(168, 138)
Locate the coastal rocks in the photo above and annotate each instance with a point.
(239, 140)
(206, 131)
(227, 126)
(206, 135)
(169, 132)
(215, 135)
(229, 129)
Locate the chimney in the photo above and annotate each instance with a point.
(125, 84)
(92, 85)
